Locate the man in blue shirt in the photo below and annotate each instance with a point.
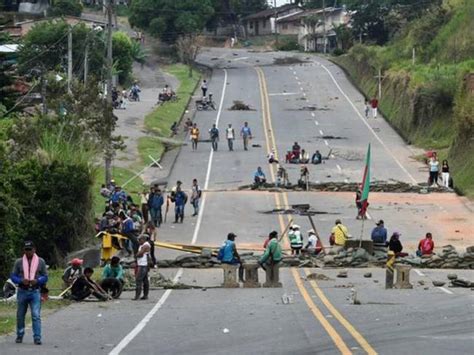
(259, 177)
(155, 202)
(379, 233)
(180, 199)
(246, 134)
(228, 254)
(30, 274)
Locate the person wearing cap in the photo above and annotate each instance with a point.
(379, 233)
(228, 254)
(271, 259)
(72, 272)
(314, 245)
(113, 277)
(339, 234)
(141, 276)
(426, 245)
(29, 274)
(296, 239)
(395, 245)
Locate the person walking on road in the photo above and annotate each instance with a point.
(30, 274)
(180, 199)
(141, 276)
(374, 103)
(246, 134)
(195, 196)
(445, 173)
(230, 135)
(214, 134)
(434, 170)
(194, 136)
(366, 108)
(228, 254)
(204, 88)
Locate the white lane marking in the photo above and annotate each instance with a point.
(316, 123)
(326, 142)
(449, 292)
(139, 327)
(368, 126)
(321, 132)
(419, 272)
(339, 168)
(283, 93)
(304, 94)
(312, 114)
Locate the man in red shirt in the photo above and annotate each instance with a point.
(374, 103)
(426, 245)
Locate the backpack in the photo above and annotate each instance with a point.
(220, 254)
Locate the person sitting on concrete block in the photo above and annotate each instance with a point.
(228, 254)
(271, 259)
(339, 234)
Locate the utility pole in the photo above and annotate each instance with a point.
(108, 113)
(86, 63)
(44, 83)
(275, 21)
(413, 56)
(379, 78)
(324, 27)
(69, 59)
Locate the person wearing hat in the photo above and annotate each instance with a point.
(30, 274)
(395, 245)
(426, 245)
(379, 233)
(296, 239)
(339, 234)
(72, 272)
(271, 259)
(228, 254)
(314, 245)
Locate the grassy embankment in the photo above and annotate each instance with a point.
(160, 120)
(428, 102)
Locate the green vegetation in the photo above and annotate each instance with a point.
(428, 102)
(159, 121)
(66, 8)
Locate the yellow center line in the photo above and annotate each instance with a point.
(271, 144)
(338, 341)
(350, 328)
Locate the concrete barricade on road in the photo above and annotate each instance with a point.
(272, 275)
(251, 274)
(230, 276)
(403, 277)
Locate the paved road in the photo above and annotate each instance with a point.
(320, 319)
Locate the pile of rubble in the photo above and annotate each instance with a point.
(448, 258)
(377, 186)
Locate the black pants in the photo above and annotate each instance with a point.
(433, 177)
(112, 286)
(204, 91)
(230, 143)
(214, 143)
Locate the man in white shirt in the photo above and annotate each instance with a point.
(230, 135)
(141, 278)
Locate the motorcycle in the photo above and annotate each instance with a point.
(205, 104)
(133, 96)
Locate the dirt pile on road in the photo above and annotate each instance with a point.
(448, 258)
(240, 106)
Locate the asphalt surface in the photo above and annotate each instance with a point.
(319, 317)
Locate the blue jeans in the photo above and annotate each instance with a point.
(25, 298)
(179, 212)
(195, 204)
(155, 214)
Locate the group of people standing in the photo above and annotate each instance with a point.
(214, 135)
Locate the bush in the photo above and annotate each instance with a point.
(337, 52)
(287, 44)
(66, 8)
(122, 51)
